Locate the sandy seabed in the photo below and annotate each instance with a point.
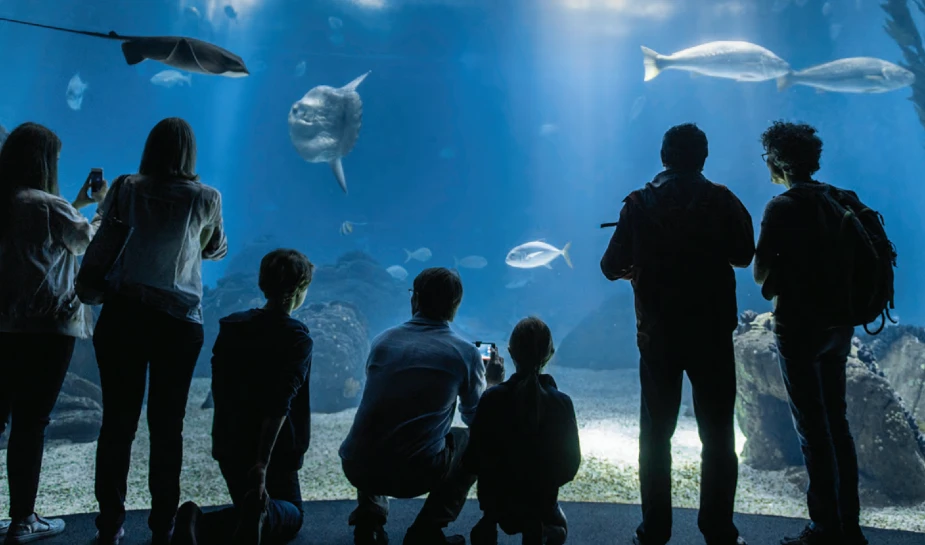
(607, 403)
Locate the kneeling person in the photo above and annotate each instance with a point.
(260, 370)
(523, 446)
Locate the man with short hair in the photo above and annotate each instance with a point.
(677, 241)
(798, 264)
(402, 443)
(262, 423)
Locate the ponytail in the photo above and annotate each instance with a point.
(531, 347)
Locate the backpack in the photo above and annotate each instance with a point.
(866, 257)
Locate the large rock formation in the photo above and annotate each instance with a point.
(605, 339)
(900, 353)
(891, 451)
(78, 413)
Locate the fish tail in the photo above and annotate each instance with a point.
(568, 260)
(650, 62)
(407, 259)
(131, 53)
(785, 82)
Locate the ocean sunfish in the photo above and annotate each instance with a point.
(187, 54)
(324, 125)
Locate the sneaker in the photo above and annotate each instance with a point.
(186, 528)
(33, 529)
(114, 540)
(370, 535)
(810, 536)
(253, 516)
(4, 526)
(430, 535)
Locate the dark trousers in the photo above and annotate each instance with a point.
(128, 338)
(32, 370)
(709, 360)
(813, 367)
(533, 525)
(284, 513)
(443, 479)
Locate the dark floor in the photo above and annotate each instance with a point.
(589, 524)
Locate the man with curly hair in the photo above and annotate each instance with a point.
(795, 267)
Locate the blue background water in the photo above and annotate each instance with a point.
(451, 154)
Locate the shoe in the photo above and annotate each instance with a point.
(484, 533)
(4, 526)
(252, 517)
(186, 528)
(554, 535)
(114, 540)
(424, 535)
(810, 536)
(370, 535)
(33, 529)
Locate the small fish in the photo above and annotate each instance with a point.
(852, 75)
(300, 69)
(171, 78)
(230, 12)
(537, 254)
(335, 23)
(517, 284)
(548, 129)
(75, 92)
(739, 61)
(421, 254)
(347, 227)
(471, 262)
(398, 272)
(827, 9)
(638, 105)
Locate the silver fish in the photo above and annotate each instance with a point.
(471, 262)
(421, 254)
(398, 272)
(347, 227)
(852, 75)
(75, 92)
(740, 61)
(537, 254)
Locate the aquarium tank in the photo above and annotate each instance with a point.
(382, 137)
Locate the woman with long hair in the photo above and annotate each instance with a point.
(150, 326)
(41, 237)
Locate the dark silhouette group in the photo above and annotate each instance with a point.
(677, 241)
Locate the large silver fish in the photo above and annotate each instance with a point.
(537, 253)
(740, 61)
(324, 125)
(852, 75)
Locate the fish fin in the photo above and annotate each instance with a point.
(548, 266)
(650, 62)
(131, 53)
(784, 82)
(338, 167)
(407, 259)
(565, 256)
(352, 86)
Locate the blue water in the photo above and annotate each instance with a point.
(451, 155)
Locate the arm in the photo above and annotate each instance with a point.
(571, 460)
(280, 398)
(472, 388)
(770, 243)
(741, 233)
(472, 458)
(617, 262)
(69, 227)
(212, 238)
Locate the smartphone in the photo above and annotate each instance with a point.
(485, 350)
(96, 179)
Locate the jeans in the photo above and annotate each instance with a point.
(32, 370)
(443, 479)
(284, 513)
(710, 366)
(129, 338)
(812, 364)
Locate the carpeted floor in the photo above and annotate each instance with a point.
(589, 524)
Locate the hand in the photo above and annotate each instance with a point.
(494, 371)
(85, 199)
(257, 478)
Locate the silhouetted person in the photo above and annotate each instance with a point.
(523, 446)
(802, 263)
(262, 423)
(677, 241)
(153, 316)
(41, 237)
(401, 443)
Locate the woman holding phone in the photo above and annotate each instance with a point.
(41, 237)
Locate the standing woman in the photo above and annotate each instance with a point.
(152, 319)
(41, 237)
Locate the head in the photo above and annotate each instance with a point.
(28, 159)
(791, 151)
(437, 293)
(531, 345)
(170, 151)
(685, 147)
(284, 278)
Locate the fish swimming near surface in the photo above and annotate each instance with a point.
(171, 78)
(421, 254)
(537, 254)
(852, 75)
(740, 61)
(398, 272)
(187, 54)
(471, 262)
(347, 227)
(75, 92)
(324, 125)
